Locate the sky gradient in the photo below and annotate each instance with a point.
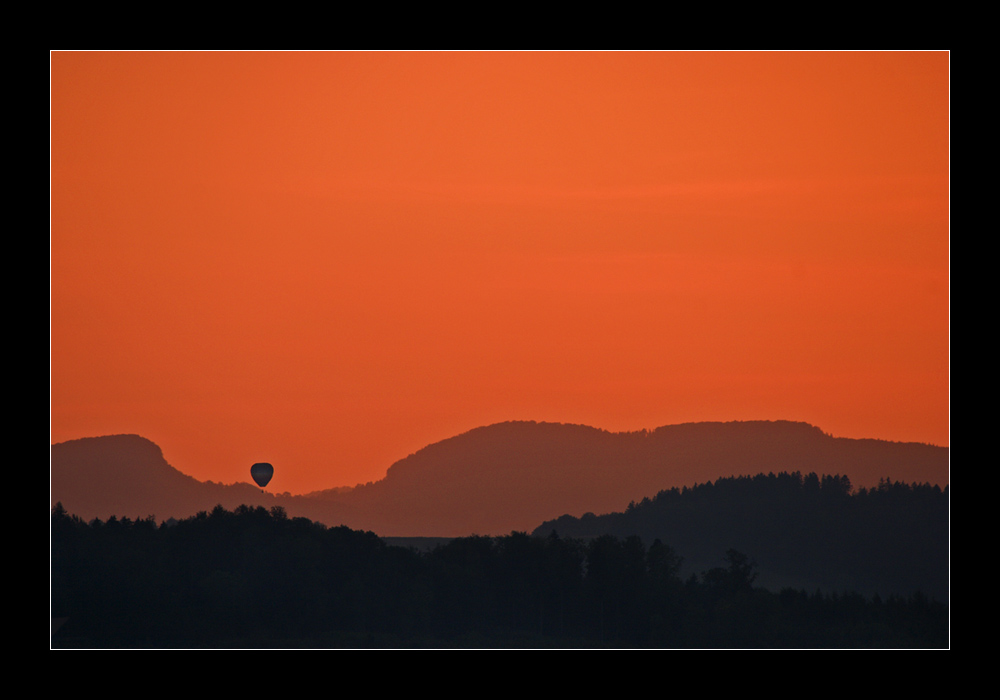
(328, 260)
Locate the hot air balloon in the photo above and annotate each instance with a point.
(262, 473)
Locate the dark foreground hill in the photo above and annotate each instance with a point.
(257, 578)
(495, 479)
(806, 532)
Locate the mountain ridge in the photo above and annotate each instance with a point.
(493, 479)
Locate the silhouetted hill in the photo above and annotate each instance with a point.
(127, 475)
(806, 532)
(498, 478)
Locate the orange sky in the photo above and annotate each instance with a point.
(330, 260)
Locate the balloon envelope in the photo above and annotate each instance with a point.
(262, 473)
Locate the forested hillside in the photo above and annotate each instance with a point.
(257, 578)
(803, 531)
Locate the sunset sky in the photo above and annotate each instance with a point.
(327, 261)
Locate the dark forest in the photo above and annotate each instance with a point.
(257, 578)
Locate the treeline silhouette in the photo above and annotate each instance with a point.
(257, 578)
(803, 530)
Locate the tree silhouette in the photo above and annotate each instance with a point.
(256, 578)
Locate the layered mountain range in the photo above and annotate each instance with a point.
(493, 479)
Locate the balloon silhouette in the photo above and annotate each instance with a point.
(262, 473)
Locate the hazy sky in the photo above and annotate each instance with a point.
(329, 260)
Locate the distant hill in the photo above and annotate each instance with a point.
(127, 475)
(494, 479)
